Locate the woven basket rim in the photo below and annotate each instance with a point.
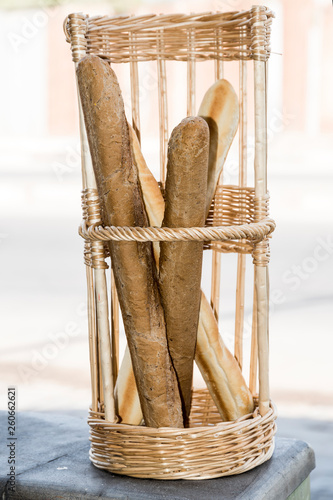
(245, 34)
(245, 421)
(137, 22)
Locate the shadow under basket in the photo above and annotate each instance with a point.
(238, 222)
(207, 449)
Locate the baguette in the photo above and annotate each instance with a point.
(220, 109)
(126, 395)
(220, 369)
(132, 262)
(224, 379)
(181, 261)
(127, 401)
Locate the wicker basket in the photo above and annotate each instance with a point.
(238, 222)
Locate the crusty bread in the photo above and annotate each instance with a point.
(220, 109)
(224, 378)
(181, 261)
(127, 401)
(132, 262)
(219, 368)
(151, 192)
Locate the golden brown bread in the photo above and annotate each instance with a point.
(223, 378)
(181, 261)
(127, 401)
(219, 368)
(220, 109)
(132, 262)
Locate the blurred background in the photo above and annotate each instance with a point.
(44, 349)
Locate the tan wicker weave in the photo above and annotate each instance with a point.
(238, 221)
(208, 448)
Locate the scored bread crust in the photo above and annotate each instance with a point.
(126, 395)
(127, 401)
(220, 370)
(132, 262)
(220, 109)
(181, 261)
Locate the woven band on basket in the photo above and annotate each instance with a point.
(95, 251)
(209, 448)
(231, 218)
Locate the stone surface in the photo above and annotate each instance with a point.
(319, 434)
(302, 492)
(52, 463)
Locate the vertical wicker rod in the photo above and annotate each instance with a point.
(102, 315)
(260, 164)
(95, 397)
(218, 62)
(191, 75)
(253, 376)
(91, 310)
(114, 329)
(216, 255)
(78, 46)
(216, 283)
(104, 343)
(100, 377)
(218, 66)
(134, 76)
(241, 259)
(162, 107)
(254, 343)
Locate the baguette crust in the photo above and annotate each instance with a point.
(152, 196)
(132, 262)
(126, 394)
(219, 369)
(181, 262)
(220, 109)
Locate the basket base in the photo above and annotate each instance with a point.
(210, 450)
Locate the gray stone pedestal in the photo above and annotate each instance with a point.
(52, 463)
